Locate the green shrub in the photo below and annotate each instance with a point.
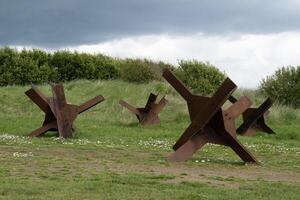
(202, 77)
(36, 66)
(105, 68)
(72, 66)
(68, 65)
(7, 58)
(21, 68)
(283, 86)
(139, 71)
(41, 57)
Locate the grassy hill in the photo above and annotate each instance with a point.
(112, 157)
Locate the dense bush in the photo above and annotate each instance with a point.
(139, 71)
(36, 66)
(72, 66)
(202, 77)
(105, 67)
(24, 67)
(283, 86)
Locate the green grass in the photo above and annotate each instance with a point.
(112, 157)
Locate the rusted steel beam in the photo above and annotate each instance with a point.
(209, 123)
(148, 115)
(59, 115)
(38, 98)
(177, 85)
(64, 115)
(254, 119)
(90, 103)
(233, 112)
(206, 112)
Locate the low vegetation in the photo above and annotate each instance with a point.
(202, 77)
(37, 67)
(283, 86)
(112, 157)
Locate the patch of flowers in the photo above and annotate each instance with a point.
(202, 160)
(82, 142)
(11, 139)
(273, 148)
(22, 155)
(155, 143)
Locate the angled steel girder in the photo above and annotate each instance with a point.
(59, 115)
(254, 119)
(147, 115)
(209, 123)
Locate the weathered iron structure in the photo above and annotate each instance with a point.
(254, 119)
(209, 123)
(59, 115)
(147, 115)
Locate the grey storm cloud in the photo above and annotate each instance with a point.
(58, 23)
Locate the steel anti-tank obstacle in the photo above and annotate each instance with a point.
(254, 119)
(147, 115)
(59, 115)
(209, 123)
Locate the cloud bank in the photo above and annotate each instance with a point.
(59, 23)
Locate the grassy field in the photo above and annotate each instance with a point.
(112, 157)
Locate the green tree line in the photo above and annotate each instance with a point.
(35, 66)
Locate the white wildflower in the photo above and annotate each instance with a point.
(22, 155)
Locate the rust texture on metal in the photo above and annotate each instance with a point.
(254, 119)
(147, 115)
(59, 115)
(209, 123)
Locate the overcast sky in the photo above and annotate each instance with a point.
(248, 39)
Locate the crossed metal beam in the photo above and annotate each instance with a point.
(147, 115)
(254, 119)
(59, 115)
(209, 123)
